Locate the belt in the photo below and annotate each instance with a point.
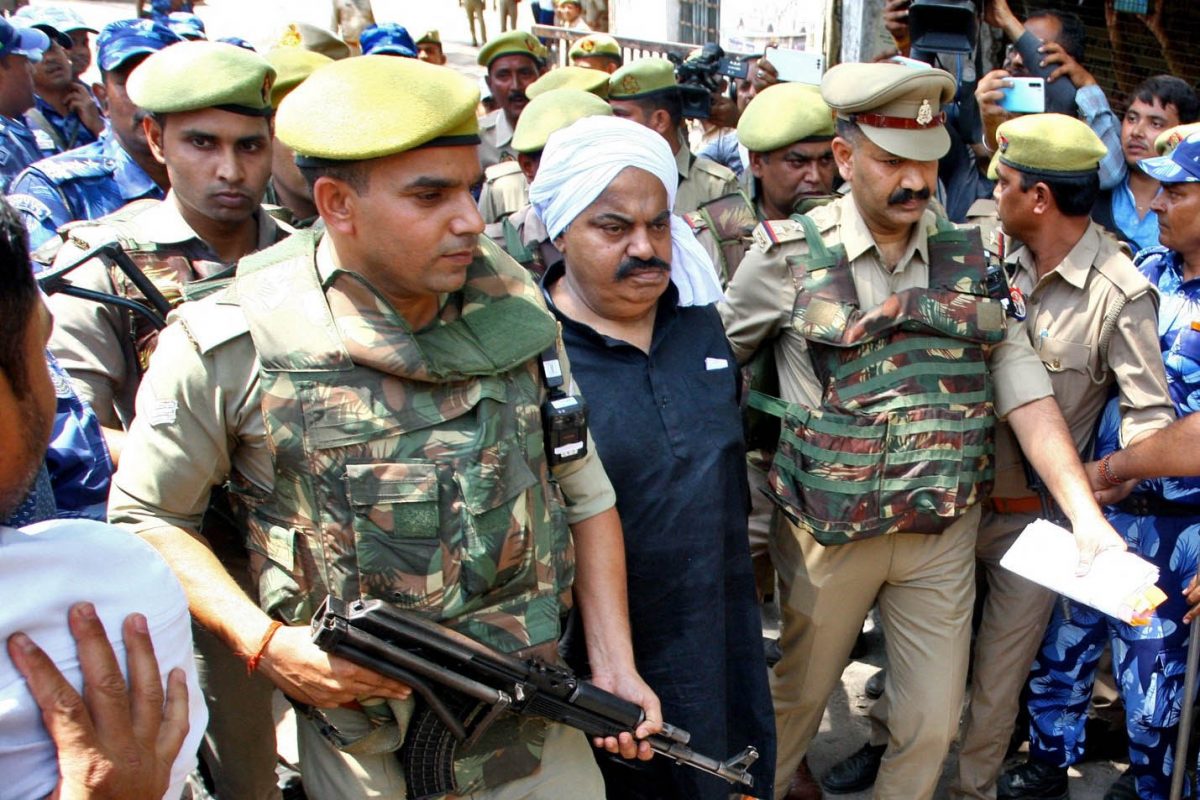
(1150, 505)
(1014, 505)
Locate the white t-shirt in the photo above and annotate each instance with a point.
(46, 568)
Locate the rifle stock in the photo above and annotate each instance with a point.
(465, 685)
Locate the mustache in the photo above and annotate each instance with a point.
(906, 195)
(516, 96)
(632, 265)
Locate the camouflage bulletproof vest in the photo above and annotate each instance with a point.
(408, 467)
(902, 439)
(731, 219)
(171, 268)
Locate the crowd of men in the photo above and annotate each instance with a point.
(313, 320)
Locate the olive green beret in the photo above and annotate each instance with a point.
(1169, 139)
(1048, 144)
(642, 77)
(314, 38)
(292, 65)
(784, 114)
(192, 75)
(596, 44)
(513, 43)
(376, 106)
(552, 111)
(430, 37)
(587, 80)
(898, 108)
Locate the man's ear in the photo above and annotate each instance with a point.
(101, 95)
(843, 155)
(154, 137)
(1043, 198)
(337, 203)
(660, 121)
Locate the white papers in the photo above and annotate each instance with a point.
(1116, 584)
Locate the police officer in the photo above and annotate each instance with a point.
(19, 47)
(513, 61)
(97, 179)
(312, 37)
(1159, 521)
(1091, 319)
(597, 51)
(210, 124)
(287, 188)
(837, 293)
(429, 48)
(788, 134)
(646, 92)
(64, 113)
(521, 233)
(506, 185)
(421, 477)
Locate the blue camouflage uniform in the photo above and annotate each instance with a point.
(18, 149)
(1161, 523)
(85, 183)
(69, 130)
(77, 459)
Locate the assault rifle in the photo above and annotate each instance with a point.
(474, 685)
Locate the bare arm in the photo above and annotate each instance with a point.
(290, 660)
(1047, 444)
(601, 595)
(1162, 454)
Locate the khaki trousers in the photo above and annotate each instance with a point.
(239, 743)
(1014, 619)
(925, 587)
(568, 768)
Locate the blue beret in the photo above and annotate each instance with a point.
(387, 38)
(122, 40)
(189, 26)
(22, 41)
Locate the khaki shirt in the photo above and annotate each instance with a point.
(92, 340)
(760, 298)
(495, 139)
(1066, 312)
(531, 232)
(504, 191)
(700, 181)
(200, 420)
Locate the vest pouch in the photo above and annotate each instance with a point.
(404, 554)
(922, 468)
(497, 555)
(826, 471)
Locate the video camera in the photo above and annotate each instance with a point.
(943, 26)
(698, 77)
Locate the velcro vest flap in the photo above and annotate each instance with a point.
(285, 307)
(489, 340)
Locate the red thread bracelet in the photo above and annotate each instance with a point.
(252, 661)
(1106, 472)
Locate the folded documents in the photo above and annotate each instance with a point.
(1119, 583)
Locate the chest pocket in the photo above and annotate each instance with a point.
(1060, 355)
(443, 535)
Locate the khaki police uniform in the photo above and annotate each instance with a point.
(700, 181)
(495, 129)
(209, 413)
(924, 584)
(524, 237)
(495, 139)
(91, 340)
(504, 191)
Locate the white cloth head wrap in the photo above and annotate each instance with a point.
(581, 160)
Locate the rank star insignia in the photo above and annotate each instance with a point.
(925, 113)
(587, 46)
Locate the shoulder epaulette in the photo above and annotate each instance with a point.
(696, 221)
(64, 168)
(1115, 265)
(719, 171)
(501, 169)
(211, 323)
(777, 231)
(488, 122)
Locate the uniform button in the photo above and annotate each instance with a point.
(1056, 364)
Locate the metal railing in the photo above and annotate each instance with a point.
(560, 40)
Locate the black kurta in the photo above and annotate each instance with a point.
(667, 428)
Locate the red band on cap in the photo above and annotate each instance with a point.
(903, 123)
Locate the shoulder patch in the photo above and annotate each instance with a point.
(61, 169)
(497, 171)
(30, 207)
(696, 221)
(211, 323)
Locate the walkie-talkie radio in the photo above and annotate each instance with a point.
(564, 416)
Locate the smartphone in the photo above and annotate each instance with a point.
(796, 66)
(1025, 96)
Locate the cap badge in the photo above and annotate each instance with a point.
(925, 113)
(630, 84)
(1002, 143)
(291, 37)
(587, 45)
